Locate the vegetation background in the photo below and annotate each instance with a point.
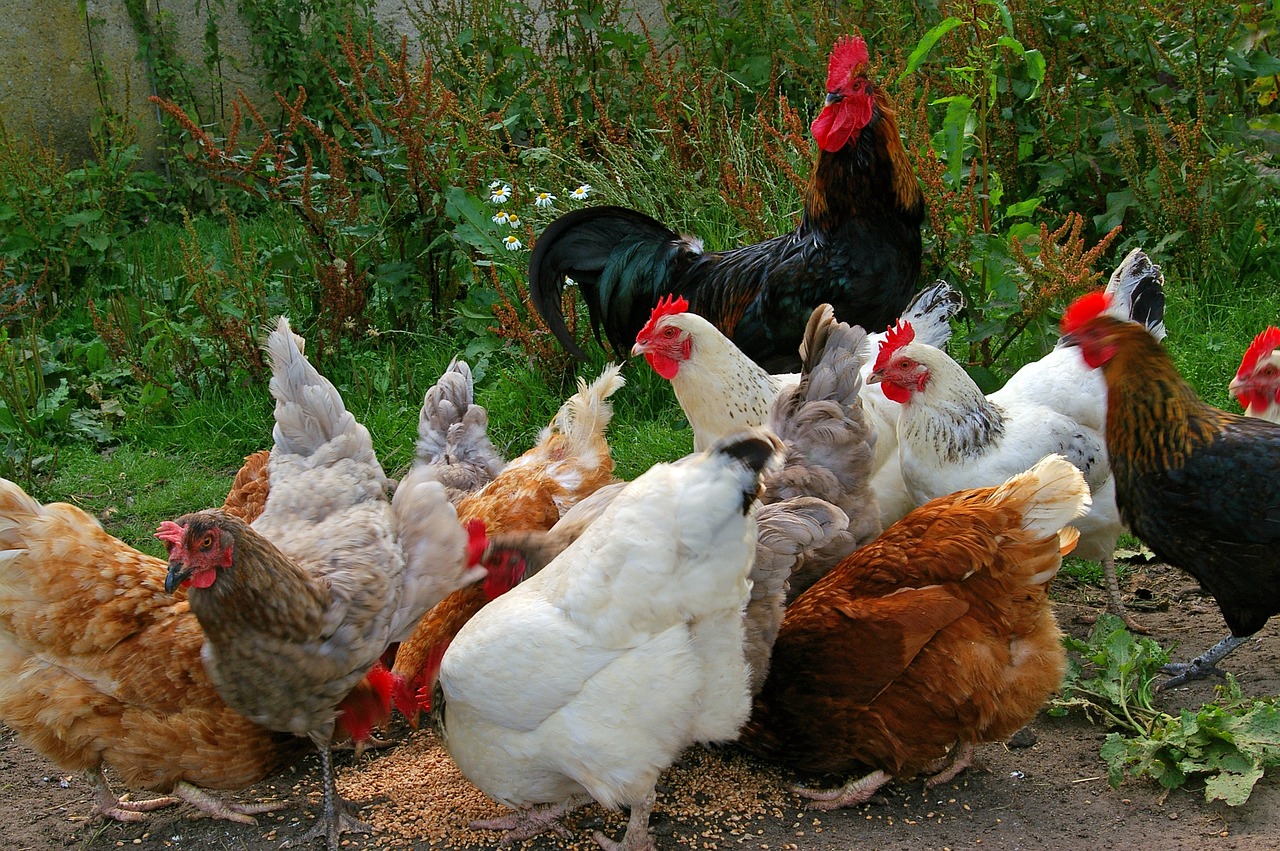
(363, 205)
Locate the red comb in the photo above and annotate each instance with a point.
(171, 533)
(899, 335)
(1263, 344)
(1088, 306)
(665, 307)
(476, 541)
(848, 55)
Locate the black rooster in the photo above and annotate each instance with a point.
(857, 246)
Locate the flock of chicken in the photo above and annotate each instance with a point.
(848, 576)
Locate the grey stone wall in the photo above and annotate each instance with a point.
(47, 52)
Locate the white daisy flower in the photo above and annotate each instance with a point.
(494, 184)
(569, 282)
(501, 217)
(513, 220)
(500, 194)
(544, 199)
(512, 242)
(581, 193)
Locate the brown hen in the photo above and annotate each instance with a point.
(934, 637)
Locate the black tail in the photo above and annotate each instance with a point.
(596, 247)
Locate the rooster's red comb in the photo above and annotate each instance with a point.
(847, 56)
(476, 541)
(665, 307)
(899, 335)
(1263, 344)
(1088, 306)
(171, 533)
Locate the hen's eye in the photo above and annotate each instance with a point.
(668, 332)
(207, 541)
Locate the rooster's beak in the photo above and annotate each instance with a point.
(178, 574)
(637, 350)
(875, 377)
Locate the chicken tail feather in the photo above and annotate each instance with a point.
(1137, 293)
(1052, 493)
(585, 415)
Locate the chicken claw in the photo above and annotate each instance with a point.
(215, 807)
(528, 822)
(960, 758)
(857, 791)
(1204, 665)
(108, 805)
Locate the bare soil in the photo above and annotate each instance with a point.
(1051, 794)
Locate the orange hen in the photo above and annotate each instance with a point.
(934, 637)
(569, 462)
(98, 667)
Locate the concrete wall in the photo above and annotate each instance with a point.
(47, 85)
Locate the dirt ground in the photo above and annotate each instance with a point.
(1052, 794)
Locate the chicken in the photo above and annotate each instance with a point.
(857, 247)
(570, 461)
(546, 698)
(1199, 486)
(829, 444)
(452, 434)
(951, 436)
(249, 489)
(98, 668)
(1257, 382)
(935, 637)
(721, 390)
(297, 608)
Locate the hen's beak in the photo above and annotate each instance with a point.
(178, 574)
(638, 349)
(875, 377)
(1068, 340)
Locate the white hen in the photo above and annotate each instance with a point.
(547, 695)
(721, 390)
(952, 437)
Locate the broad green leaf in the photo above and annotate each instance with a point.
(926, 43)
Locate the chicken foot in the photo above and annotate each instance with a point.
(215, 807)
(108, 805)
(335, 820)
(637, 837)
(857, 791)
(528, 822)
(960, 758)
(1204, 665)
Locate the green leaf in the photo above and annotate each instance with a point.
(1023, 208)
(926, 44)
(1231, 787)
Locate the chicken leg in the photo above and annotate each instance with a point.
(335, 820)
(1115, 603)
(1204, 665)
(637, 837)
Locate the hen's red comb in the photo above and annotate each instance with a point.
(1088, 306)
(171, 533)
(899, 335)
(476, 541)
(848, 55)
(1263, 344)
(665, 307)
